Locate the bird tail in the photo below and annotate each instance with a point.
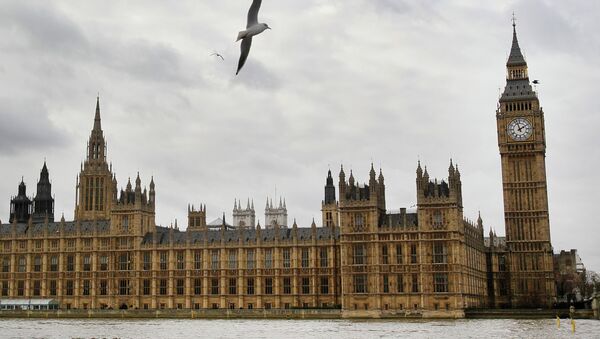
(241, 35)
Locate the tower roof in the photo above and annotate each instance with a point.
(97, 122)
(516, 57)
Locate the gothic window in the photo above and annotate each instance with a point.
(386, 283)
(180, 256)
(287, 285)
(286, 258)
(305, 285)
(146, 287)
(360, 283)
(398, 254)
(359, 257)
(214, 286)
(124, 262)
(6, 264)
(198, 260)
(37, 264)
(22, 264)
(69, 287)
(250, 286)
(37, 286)
(415, 283)
(180, 286)
(86, 287)
(413, 254)
(305, 257)
(87, 262)
(232, 263)
(147, 261)
(440, 281)
(400, 283)
(162, 287)
(502, 263)
(268, 285)
(437, 219)
(103, 288)
(164, 260)
(359, 222)
(21, 288)
(125, 223)
(52, 287)
(250, 259)
(198, 286)
(5, 288)
(268, 258)
(440, 253)
(324, 285)
(214, 259)
(232, 286)
(103, 262)
(124, 287)
(54, 263)
(323, 262)
(384, 255)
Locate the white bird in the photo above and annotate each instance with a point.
(253, 27)
(219, 55)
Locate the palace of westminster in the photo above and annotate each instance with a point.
(362, 258)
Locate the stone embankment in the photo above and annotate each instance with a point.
(526, 313)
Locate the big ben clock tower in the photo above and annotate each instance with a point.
(521, 139)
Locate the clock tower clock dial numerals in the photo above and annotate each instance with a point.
(519, 129)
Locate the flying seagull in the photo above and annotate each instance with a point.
(536, 82)
(253, 27)
(219, 55)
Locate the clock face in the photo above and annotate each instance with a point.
(519, 129)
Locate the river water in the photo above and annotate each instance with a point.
(166, 328)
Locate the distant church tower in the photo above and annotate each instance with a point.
(96, 184)
(521, 139)
(244, 217)
(276, 215)
(43, 203)
(20, 206)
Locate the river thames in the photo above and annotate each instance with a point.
(165, 328)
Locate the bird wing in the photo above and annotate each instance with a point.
(253, 13)
(244, 50)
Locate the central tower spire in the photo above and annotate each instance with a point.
(95, 189)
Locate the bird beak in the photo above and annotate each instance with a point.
(268, 27)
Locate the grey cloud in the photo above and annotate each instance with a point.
(24, 126)
(42, 27)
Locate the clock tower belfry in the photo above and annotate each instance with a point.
(521, 139)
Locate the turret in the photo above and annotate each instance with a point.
(152, 191)
(43, 203)
(20, 205)
(329, 190)
(342, 182)
(138, 184)
(372, 179)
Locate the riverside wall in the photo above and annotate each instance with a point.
(295, 314)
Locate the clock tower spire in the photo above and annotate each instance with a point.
(521, 139)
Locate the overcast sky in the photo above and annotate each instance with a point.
(334, 82)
